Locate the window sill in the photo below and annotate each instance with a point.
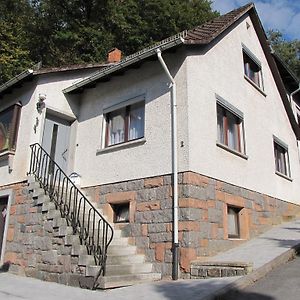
(232, 151)
(255, 85)
(284, 176)
(5, 154)
(117, 147)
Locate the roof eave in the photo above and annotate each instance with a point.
(15, 80)
(127, 61)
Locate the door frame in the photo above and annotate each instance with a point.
(66, 117)
(5, 193)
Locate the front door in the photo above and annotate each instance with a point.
(3, 213)
(56, 140)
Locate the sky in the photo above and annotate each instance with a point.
(282, 15)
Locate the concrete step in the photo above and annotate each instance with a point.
(31, 179)
(33, 185)
(53, 214)
(78, 250)
(38, 192)
(58, 222)
(86, 260)
(121, 250)
(121, 241)
(124, 259)
(112, 270)
(107, 282)
(47, 206)
(71, 240)
(41, 199)
(63, 231)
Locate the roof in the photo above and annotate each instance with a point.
(199, 35)
(289, 79)
(28, 74)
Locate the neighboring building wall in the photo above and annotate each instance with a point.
(151, 157)
(203, 203)
(219, 69)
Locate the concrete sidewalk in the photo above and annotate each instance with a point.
(266, 252)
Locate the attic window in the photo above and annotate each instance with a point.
(252, 68)
(9, 124)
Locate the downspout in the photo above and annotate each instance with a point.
(175, 248)
(295, 92)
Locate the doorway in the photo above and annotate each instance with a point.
(56, 140)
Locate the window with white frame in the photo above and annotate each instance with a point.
(125, 124)
(252, 68)
(230, 126)
(281, 158)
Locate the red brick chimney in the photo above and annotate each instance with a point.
(114, 55)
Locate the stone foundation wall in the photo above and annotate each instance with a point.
(33, 247)
(203, 205)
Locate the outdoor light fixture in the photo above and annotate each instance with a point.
(41, 102)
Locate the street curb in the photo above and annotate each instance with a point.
(257, 274)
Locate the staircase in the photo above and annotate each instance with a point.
(101, 256)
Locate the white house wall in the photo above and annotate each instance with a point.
(221, 71)
(151, 158)
(32, 123)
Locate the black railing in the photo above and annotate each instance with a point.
(93, 230)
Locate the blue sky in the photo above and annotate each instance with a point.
(283, 15)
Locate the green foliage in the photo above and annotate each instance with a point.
(63, 32)
(289, 51)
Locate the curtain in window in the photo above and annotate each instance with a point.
(136, 121)
(117, 128)
(220, 125)
(232, 132)
(6, 118)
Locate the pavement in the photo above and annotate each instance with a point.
(266, 252)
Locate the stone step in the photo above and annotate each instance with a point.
(200, 269)
(121, 250)
(107, 282)
(33, 185)
(124, 259)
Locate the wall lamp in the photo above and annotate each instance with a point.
(41, 102)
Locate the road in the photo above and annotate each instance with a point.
(282, 283)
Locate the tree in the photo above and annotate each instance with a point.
(14, 54)
(289, 51)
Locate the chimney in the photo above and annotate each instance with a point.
(114, 55)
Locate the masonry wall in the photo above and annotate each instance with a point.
(34, 245)
(202, 215)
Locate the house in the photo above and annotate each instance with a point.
(182, 150)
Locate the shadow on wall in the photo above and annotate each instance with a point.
(205, 289)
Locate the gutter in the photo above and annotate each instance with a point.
(175, 247)
(129, 60)
(15, 80)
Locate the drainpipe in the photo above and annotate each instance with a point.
(295, 92)
(175, 247)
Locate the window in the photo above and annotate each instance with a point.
(9, 124)
(230, 131)
(125, 124)
(281, 158)
(121, 212)
(233, 221)
(252, 68)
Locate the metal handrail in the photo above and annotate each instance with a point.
(93, 230)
